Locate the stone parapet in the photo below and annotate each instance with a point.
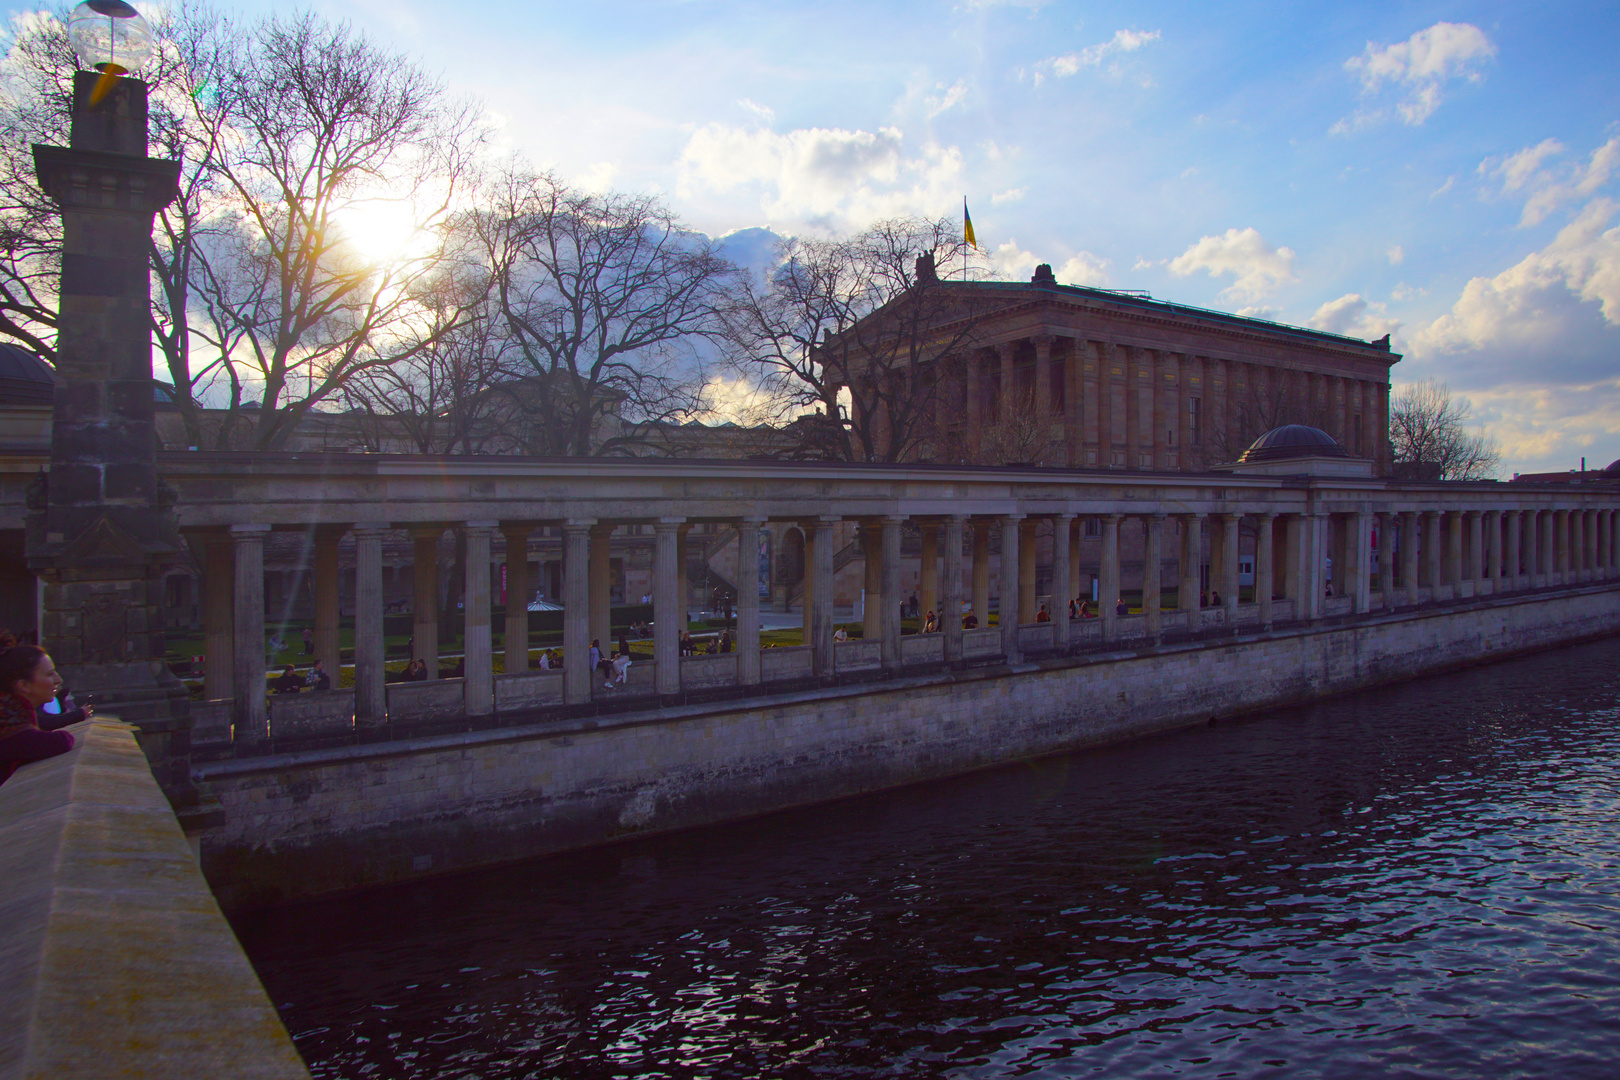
(116, 960)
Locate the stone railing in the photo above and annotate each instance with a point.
(116, 958)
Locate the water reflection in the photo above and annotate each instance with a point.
(1416, 881)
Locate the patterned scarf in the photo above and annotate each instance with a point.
(15, 715)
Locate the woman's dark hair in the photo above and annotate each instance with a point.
(17, 661)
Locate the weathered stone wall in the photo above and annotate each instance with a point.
(300, 824)
(114, 958)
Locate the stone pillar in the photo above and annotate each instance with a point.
(1386, 561)
(1453, 560)
(1074, 404)
(1028, 602)
(601, 584)
(1230, 570)
(890, 623)
(1605, 544)
(872, 591)
(1358, 554)
(516, 660)
(1152, 567)
(950, 616)
(1561, 566)
(1107, 358)
(1008, 593)
(667, 607)
(219, 619)
(928, 571)
(424, 599)
(1217, 543)
(748, 600)
(1589, 548)
(1491, 526)
(819, 622)
(370, 697)
(1062, 526)
(1009, 387)
(1294, 562)
(1043, 383)
(1432, 548)
(1411, 576)
(1192, 551)
(1073, 542)
(1265, 567)
(1108, 577)
(1315, 563)
(808, 530)
(1549, 547)
(981, 572)
(577, 673)
(1531, 529)
(478, 656)
(248, 711)
(1513, 571)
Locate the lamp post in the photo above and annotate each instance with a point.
(101, 531)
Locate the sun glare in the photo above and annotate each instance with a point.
(384, 230)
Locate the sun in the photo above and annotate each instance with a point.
(383, 230)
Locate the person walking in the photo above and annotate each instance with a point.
(309, 642)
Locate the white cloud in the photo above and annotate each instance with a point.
(1546, 428)
(1550, 318)
(1546, 189)
(1010, 195)
(1451, 182)
(823, 177)
(950, 96)
(1258, 311)
(1009, 262)
(764, 112)
(1419, 67)
(1354, 316)
(1258, 266)
(1086, 269)
(1123, 41)
(1396, 255)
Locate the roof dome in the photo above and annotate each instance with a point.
(1293, 441)
(25, 379)
(1614, 468)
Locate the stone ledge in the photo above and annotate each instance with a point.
(116, 959)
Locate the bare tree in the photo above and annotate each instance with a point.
(1272, 399)
(603, 307)
(1426, 426)
(322, 129)
(868, 317)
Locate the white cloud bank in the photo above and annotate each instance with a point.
(1092, 56)
(1354, 316)
(1009, 262)
(1258, 266)
(1545, 189)
(827, 178)
(1418, 68)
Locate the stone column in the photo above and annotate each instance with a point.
(1008, 593)
(516, 660)
(601, 584)
(1432, 549)
(748, 600)
(1513, 571)
(1358, 554)
(1589, 548)
(424, 599)
(1184, 366)
(1491, 528)
(577, 673)
(1531, 530)
(1074, 404)
(1152, 564)
(1315, 563)
(890, 623)
(1386, 561)
(219, 618)
(370, 698)
(1062, 526)
(1108, 577)
(1028, 602)
(1549, 547)
(479, 689)
(248, 711)
(1074, 561)
(950, 616)
(873, 598)
(1561, 567)
(1410, 574)
(981, 572)
(1265, 566)
(1192, 551)
(667, 608)
(1217, 544)
(928, 571)
(1043, 382)
(1605, 544)
(1294, 562)
(1009, 386)
(819, 622)
(1107, 357)
(1473, 545)
(808, 530)
(1231, 539)
(1452, 570)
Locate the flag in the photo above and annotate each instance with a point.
(967, 227)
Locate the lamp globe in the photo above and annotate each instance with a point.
(110, 36)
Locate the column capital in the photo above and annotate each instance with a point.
(1232, 515)
(1115, 519)
(480, 524)
(245, 531)
(756, 520)
(577, 524)
(893, 519)
(1156, 516)
(666, 525)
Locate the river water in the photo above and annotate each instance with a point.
(1418, 881)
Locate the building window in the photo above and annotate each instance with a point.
(1358, 433)
(1093, 527)
(1193, 419)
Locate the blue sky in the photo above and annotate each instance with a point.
(1449, 172)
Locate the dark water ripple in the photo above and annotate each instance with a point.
(1414, 882)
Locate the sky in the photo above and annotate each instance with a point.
(1448, 173)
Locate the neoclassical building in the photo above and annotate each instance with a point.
(1060, 375)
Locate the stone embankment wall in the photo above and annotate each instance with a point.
(302, 824)
(114, 957)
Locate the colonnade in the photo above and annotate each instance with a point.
(1321, 560)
